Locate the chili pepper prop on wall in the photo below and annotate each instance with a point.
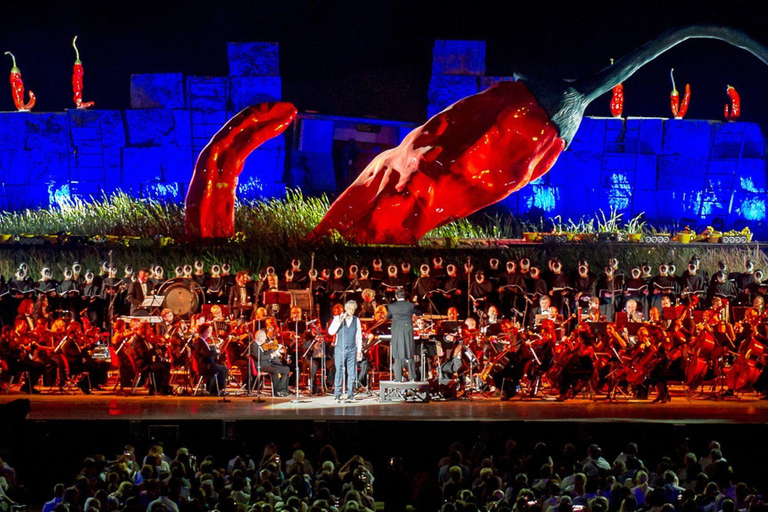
(735, 111)
(484, 147)
(617, 99)
(17, 88)
(679, 111)
(210, 202)
(77, 80)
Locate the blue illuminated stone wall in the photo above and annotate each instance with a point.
(148, 150)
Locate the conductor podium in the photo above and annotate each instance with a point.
(392, 391)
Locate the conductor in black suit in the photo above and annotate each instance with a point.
(403, 346)
(137, 291)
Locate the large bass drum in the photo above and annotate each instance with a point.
(182, 296)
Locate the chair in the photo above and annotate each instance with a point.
(70, 380)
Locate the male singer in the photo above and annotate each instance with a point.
(348, 350)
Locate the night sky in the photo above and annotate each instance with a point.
(366, 57)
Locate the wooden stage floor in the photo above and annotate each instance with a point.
(747, 409)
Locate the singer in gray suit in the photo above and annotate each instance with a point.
(402, 345)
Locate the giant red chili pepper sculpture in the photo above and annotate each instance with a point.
(678, 110)
(735, 111)
(617, 99)
(482, 148)
(210, 203)
(17, 88)
(77, 80)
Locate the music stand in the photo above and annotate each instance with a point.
(276, 299)
(153, 302)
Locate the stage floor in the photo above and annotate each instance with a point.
(745, 409)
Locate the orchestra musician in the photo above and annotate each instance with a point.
(268, 353)
(207, 353)
(240, 296)
(138, 290)
(148, 355)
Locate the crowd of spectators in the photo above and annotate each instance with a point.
(463, 481)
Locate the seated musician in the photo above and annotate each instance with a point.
(180, 344)
(633, 315)
(268, 354)
(149, 361)
(207, 356)
(542, 312)
(165, 327)
(368, 307)
(19, 356)
(579, 362)
(78, 360)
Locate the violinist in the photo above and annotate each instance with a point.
(180, 345)
(368, 307)
(206, 353)
(149, 360)
(121, 347)
(267, 351)
(19, 355)
(236, 349)
(75, 359)
(166, 327)
(25, 310)
(578, 364)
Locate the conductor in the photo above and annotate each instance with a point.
(403, 345)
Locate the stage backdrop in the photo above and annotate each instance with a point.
(700, 172)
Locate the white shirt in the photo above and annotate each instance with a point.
(336, 325)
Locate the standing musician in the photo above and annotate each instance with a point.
(268, 353)
(348, 349)
(122, 342)
(240, 296)
(207, 354)
(402, 344)
(138, 291)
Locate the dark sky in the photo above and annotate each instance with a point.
(372, 57)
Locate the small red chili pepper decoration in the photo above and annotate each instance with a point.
(17, 87)
(735, 104)
(77, 80)
(679, 111)
(617, 100)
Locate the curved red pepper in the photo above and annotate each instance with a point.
(17, 88)
(210, 202)
(471, 155)
(617, 99)
(735, 111)
(77, 80)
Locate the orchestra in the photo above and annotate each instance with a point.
(522, 332)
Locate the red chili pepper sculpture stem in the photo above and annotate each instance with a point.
(77, 80)
(484, 147)
(17, 88)
(210, 203)
(735, 104)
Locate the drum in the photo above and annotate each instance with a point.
(181, 299)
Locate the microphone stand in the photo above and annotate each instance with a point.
(298, 372)
(258, 369)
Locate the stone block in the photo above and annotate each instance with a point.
(157, 90)
(46, 167)
(576, 167)
(209, 117)
(12, 130)
(15, 164)
(177, 165)
(590, 136)
(253, 59)
(690, 138)
(751, 175)
(26, 196)
(681, 172)
(182, 120)
(250, 90)
(646, 172)
(104, 125)
(151, 127)
(142, 165)
(456, 57)
(651, 136)
(445, 90)
(207, 92)
(488, 81)
(46, 131)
